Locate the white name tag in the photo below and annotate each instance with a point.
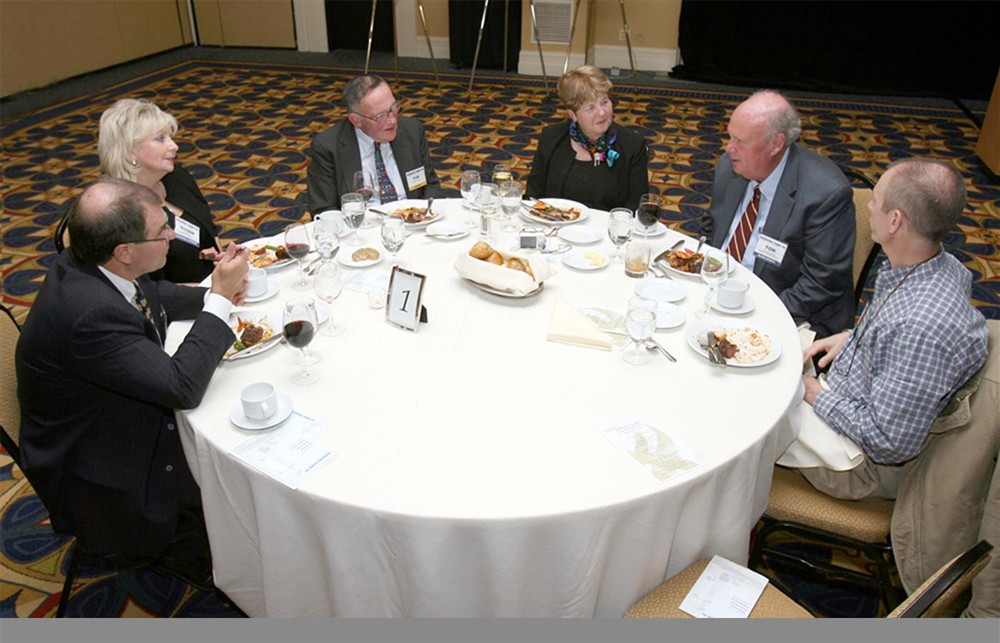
(770, 250)
(416, 179)
(187, 232)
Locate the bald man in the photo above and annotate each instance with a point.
(99, 441)
(800, 242)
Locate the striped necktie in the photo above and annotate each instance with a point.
(738, 244)
(386, 191)
(143, 304)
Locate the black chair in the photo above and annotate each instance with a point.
(10, 410)
(62, 235)
(939, 591)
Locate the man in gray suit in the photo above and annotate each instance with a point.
(375, 138)
(786, 213)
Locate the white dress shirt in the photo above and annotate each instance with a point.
(767, 189)
(367, 146)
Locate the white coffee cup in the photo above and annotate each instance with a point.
(256, 282)
(337, 217)
(732, 293)
(259, 400)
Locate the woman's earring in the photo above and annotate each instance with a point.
(134, 163)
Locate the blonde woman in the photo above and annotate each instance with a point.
(589, 159)
(136, 144)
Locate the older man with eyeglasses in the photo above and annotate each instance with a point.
(375, 138)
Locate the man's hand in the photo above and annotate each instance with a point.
(813, 388)
(830, 345)
(229, 278)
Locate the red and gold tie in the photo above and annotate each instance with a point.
(738, 244)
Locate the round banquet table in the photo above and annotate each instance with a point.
(471, 477)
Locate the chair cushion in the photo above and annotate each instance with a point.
(664, 601)
(793, 499)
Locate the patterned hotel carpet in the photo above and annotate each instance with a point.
(245, 130)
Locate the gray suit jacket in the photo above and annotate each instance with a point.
(335, 157)
(813, 212)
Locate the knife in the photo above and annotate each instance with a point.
(256, 348)
(663, 255)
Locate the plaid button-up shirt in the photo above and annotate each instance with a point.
(919, 340)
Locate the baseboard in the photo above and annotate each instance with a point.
(529, 63)
(646, 58)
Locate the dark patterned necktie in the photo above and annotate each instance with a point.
(143, 304)
(386, 191)
(738, 244)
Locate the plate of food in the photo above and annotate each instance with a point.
(360, 258)
(743, 345)
(413, 212)
(268, 256)
(554, 212)
(685, 261)
(581, 259)
(255, 333)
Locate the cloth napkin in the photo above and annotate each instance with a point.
(570, 327)
(500, 277)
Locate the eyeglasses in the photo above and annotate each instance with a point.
(381, 116)
(165, 235)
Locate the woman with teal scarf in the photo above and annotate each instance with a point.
(589, 159)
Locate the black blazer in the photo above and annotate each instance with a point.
(99, 441)
(183, 264)
(555, 157)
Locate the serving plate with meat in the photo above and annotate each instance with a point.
(413, 212)
(269, 256)
(554, 212)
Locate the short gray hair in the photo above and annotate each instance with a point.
(357, 88)
(123, 125)
(931, 192)
(782, 121)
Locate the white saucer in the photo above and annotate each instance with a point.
(579, 234)
(272, 290)
(578, 259)
(237, 417)
(669, 315)
(748, 305)
(640, 231)
(661, 290)
(448, 230)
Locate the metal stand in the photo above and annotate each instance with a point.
(427, 36)
(538, 41)
(479, 41)
(628, 41)
(572, 34)
(395, 49)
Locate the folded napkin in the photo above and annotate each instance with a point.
(500, 277)
(570, 327)
(818, 445)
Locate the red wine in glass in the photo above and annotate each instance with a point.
(648, 214)
(297, 250)
(299, 333)
(366, 193)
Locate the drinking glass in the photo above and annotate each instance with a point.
(364, 185)
(648, 212)
(510, 197)
(299, 323)
(640, 324)
(329, 285)
(487, 202)
(352, 206)
(297, 245)
(621, 222)
(327, 236)
(470, 187)
(393, 236)
(502, 172)
(714, 268)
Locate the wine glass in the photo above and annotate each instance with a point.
(648, 212)
(621, 223)
(470, 188)
(329, 285)
(393, 235)
(297, 245)
(364, 185)
(640, 323)
(714, 268)
(299, 323)
(352, 206)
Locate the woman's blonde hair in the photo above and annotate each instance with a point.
(123, 125)
(580, 86)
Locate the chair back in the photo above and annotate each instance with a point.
(939, 591)
(865, 249)
(61, 237)
(10, 410)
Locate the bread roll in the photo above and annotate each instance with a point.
(517, 264)
(481, 250)
(495, 258)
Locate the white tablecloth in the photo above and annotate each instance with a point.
(471, 477)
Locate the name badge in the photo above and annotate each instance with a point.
(416, 179)
(770, 250)
(187, 232)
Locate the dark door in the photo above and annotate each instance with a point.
(347, 23)
(464, 18)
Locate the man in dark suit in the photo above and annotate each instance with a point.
(786, 213)
(97, 391)
(373, 137)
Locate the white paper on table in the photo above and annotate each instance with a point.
(653, 450)
(368, 280)
(724, 590)
(288, 454)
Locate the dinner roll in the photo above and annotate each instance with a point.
(517, 264)
(481, 250)
(495, 258)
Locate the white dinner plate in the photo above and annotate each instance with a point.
(580, 260)
(448, 230)
(640, 231)
(271, 320)
(344, 258)
(239, 418)
(669, 315)
(697, 331)
(398, 206)
(697, 275)
(748, 305)
(257, 244)
(559, 203)
(579, 234)
(272, 290)
(661, 290)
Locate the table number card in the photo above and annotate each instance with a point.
(403, 307)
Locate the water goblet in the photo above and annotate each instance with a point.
(621, 223)
(487, 202)
(328, 286)
(714, 268)
(648, 212)
(469, 187)
(297, 245)
(640, 324)
(510, 197)
(299, 323)
(393, 236)
(352, 206)
(327, 237)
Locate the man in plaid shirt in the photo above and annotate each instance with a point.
(919, 340)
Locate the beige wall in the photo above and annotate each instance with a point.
(652, 23)
(245, 23)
